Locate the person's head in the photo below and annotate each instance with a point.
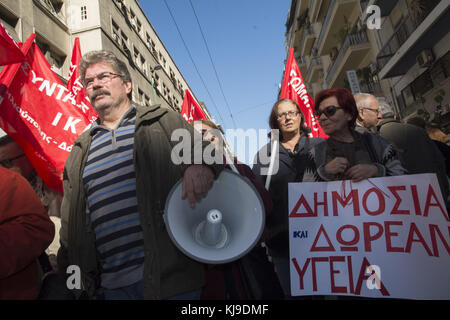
(106, 79)
(368, 109)
(209, 130)
(385, 110)
(417, 121)
(287, 117)
(335, 110)
(12, 157)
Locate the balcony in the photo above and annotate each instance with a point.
(353, 51)
(314, 70)
(313, 11)
(370, 87)
(307, 41)
(301, 61)
(337, 13)
(385, 6)
(399, 53)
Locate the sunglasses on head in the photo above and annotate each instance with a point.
(328, 111)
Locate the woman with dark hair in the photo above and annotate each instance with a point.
(347, 154)
(289, 160)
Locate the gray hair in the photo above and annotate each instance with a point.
(363, 100)
(385, 109)
(103, 56)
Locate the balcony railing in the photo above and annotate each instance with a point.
(325, 22)
(401, 34)
(350, 40)
(370, 87)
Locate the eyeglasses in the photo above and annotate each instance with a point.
(291, 114)
(328, 111)
(377, 111)
(103, 78)
(8, 163)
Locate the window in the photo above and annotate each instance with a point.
(115, 31)
(83, 13)
(141, 96)
(55, 59)
(137, 55)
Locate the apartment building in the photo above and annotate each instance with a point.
(120, 26)
(405, 60)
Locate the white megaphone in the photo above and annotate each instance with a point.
(223, 226)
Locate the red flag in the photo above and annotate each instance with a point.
(190, 110)
(294, 88)
(9, 51)
(74, 83)
(40, 114)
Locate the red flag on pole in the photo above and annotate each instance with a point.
(74, 83)
(41, 114)
(294, 88)
(9, 51)
(190, 110)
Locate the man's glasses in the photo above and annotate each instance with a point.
(377, 111)
(328, 111)
(103, 78)
(8, 163)
(291, 114)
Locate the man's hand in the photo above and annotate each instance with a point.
(197, 181)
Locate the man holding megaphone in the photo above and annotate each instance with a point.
(116, 181)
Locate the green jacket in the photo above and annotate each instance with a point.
(167, 271)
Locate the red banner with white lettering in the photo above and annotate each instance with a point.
(74, 83)
(41, 114)
(294, 88)
(9, 51)
(190, 110)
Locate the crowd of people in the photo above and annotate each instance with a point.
(109, 220)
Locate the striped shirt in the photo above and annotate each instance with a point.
(110, 185)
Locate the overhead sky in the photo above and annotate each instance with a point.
(246, 41)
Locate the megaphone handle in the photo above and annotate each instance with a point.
(272, 161)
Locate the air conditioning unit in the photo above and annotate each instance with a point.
(425, 58)
(133, 24)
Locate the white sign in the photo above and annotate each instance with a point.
(384, 237)
(353, 81)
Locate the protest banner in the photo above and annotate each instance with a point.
(41, 114)
(190, 110)
(384, 237)
(293, 87)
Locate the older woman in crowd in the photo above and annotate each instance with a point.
(347, 154)
(290, 158)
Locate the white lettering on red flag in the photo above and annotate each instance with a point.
(42, 115)
(294, 88)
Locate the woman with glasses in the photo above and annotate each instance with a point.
(348, 154)
(289, 160)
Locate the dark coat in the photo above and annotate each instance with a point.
(167, 271)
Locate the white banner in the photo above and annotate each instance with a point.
(383, 237)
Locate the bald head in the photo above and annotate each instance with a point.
(368, 109)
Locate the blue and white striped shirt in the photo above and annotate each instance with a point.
(110, 184)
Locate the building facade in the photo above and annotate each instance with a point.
(404, 59)
(120, 26)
